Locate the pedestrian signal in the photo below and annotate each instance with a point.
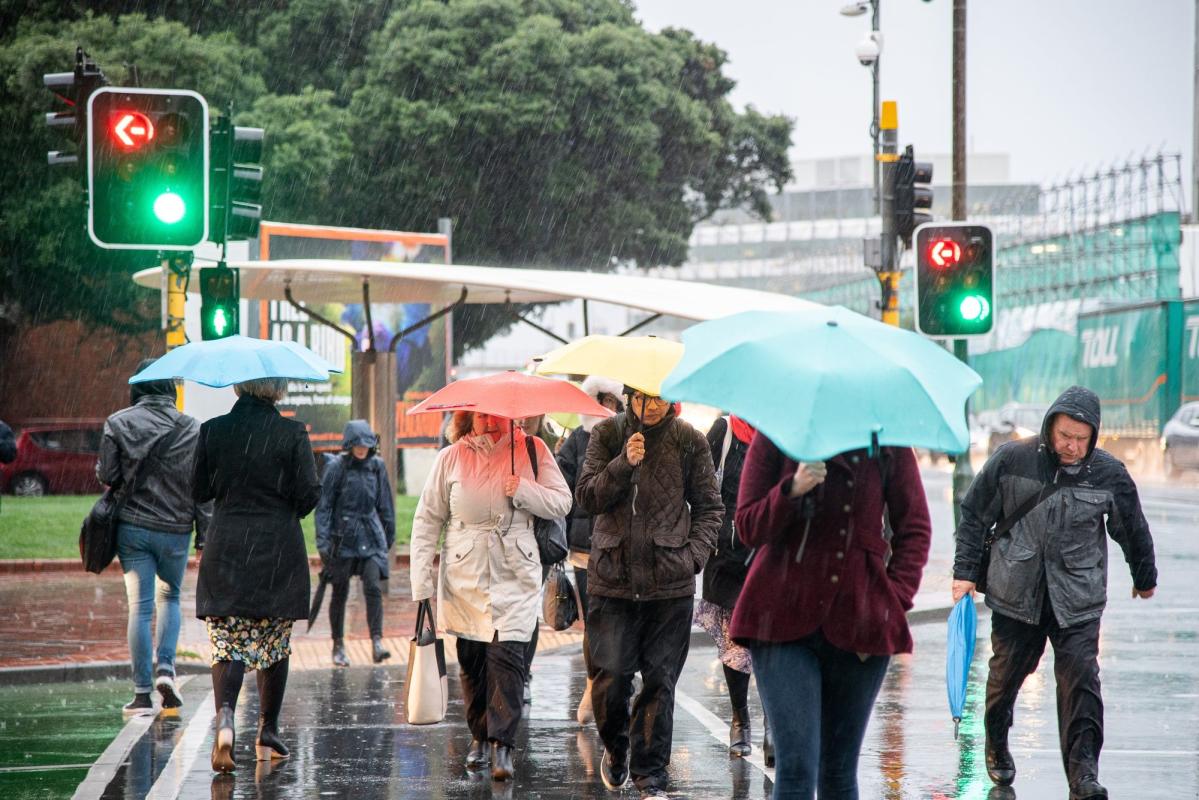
(955, 268)
(220, 296)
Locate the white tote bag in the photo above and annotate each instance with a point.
(427, 687)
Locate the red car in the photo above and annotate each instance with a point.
(54, 457)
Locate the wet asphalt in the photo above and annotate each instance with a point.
(349, 738)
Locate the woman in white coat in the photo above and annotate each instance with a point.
(490, 574)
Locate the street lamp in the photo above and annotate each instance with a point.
(868, 53)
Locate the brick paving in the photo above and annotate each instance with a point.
(56, 617)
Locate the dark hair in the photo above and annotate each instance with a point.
(164, 387)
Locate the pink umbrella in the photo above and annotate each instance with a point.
(512, 395)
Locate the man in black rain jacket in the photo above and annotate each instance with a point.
(1047, 578)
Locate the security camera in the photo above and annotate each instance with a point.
(856, 9)
(868, 49)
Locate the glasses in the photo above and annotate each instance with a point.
(649, 400)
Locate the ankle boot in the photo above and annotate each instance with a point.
(339, 654)
(501, 762)
(740, 734)
(377, 650)
(222, 747)
(477, 755)
(767, 742)
(269, 745)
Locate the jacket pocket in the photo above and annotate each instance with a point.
(1014, 573)
(1086, 509)
(1084, 579)
(606, 562)
(672, 558)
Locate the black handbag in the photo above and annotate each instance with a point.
(1005, 525)
(550, 533)
(559, 604)
(98, 534)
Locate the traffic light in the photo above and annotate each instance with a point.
(913, 196)
(147, 168)
(955, 271)
(220, 293)
(235, 182)
(74, 89)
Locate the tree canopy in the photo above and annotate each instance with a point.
(552, 132)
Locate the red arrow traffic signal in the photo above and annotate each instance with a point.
(132, 129)
(944, 253)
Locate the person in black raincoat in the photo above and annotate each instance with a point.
(1047, 578)
(355, 529)
(257, 466)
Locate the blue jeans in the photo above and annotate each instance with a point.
(146, 554)
(818, 700)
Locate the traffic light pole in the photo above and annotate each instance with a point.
(963, 470)
(888, 272)
(177, 268)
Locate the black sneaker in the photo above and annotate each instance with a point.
(139, 706)
(165, 684)
(614, 775)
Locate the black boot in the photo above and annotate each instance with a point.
(378, 652)
(767, 742)
(1087, 788)
(1001, 769)
(222, 746)
(339, 654)
(740, 735)
(272, 683)
(477, 756)
(501, 762)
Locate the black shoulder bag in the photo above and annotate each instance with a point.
(98, 534)
(1003, 526)
(550, 533)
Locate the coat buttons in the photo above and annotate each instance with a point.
(834, 579)
(842, 531)
(845, 508)
(840, 554)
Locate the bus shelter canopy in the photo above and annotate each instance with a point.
(335, 281)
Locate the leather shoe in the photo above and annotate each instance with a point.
(1000, 767)
(477, 756)
(614, 774)
(501, 762)
(1087, 788)
(379, 653)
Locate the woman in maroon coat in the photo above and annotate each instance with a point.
(823, 607)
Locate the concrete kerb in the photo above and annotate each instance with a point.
(81, 672)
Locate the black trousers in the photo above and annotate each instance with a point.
(372, 591)
(493, 681)
(1018, 648)
(625, 637)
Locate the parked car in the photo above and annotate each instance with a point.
(1180, 440)
(54, 457)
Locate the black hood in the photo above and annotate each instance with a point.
(163, 388)
(1078, 403)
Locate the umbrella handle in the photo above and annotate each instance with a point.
(956, 722)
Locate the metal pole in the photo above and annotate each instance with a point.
(963, 470)
(1195, 128)
(888, 275)
(874, 124)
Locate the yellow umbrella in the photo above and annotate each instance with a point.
(642, 362)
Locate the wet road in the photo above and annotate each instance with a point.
(349, 737)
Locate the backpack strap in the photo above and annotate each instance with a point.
(724, 447)
(531, 446)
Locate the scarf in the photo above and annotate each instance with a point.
(742, 429)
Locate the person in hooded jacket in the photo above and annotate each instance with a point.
(489, 581)
(649, 483)
(154, 527)
(607, 393)
(258, 468)
(724, 575)
(1047, 577)
(355, 528)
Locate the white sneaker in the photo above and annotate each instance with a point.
(585, 714)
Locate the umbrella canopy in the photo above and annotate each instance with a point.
(235, 359)
(642, 362)
(822, 382)
(963, 621)
(512, 395)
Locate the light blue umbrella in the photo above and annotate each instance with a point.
(963, 621)
(234, 359)
(821, 382)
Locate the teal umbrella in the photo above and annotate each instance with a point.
(959, 652)
(821, 382)
(234, 359)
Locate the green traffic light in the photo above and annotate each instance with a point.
(169, 208)
(219, 321)
(974, 308)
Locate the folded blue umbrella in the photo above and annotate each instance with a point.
(821, 382)
(235, 359)
(963, 621)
